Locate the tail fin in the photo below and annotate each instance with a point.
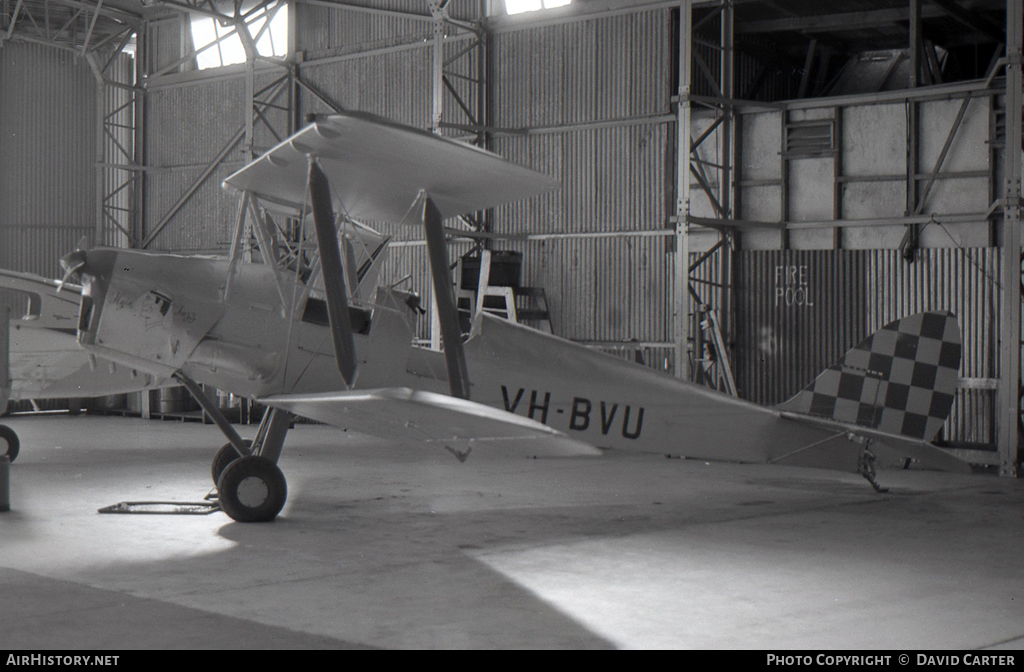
(899, 380)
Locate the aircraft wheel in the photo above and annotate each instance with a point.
(225, 456)
(10, 438)
(252, 489)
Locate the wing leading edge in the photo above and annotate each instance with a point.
(430, 418)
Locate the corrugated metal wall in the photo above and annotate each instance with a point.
(47, 138)
(47, 158)
(323, 31)
(800, 310)
(395, 85)
(613, 179)
(179, 150)
(163, 43)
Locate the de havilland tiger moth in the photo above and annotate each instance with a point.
(310, 332)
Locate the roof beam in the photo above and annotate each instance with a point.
(338, 4)
(877, 18)
(122, 15)
(972, 20)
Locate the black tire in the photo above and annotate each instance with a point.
(252, 489)
(9, 437)
(225, 456)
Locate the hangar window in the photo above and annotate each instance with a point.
(520, 6)
(218, 44)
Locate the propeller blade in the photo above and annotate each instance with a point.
(334, 274)
(444, 298)
(72, 263)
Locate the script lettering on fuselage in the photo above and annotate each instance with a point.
(185, 316)
(153, 308)
(583, 412)
(119, 301)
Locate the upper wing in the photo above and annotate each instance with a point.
(894, 446)
(427, 417)
(377, 168)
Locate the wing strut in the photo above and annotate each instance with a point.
(333, 273)
(444, 298)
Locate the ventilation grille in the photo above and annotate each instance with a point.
(810, 138)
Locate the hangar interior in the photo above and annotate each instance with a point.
(866, 146)
(748, 189)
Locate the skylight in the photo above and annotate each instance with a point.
(215, 50)
(520, 6)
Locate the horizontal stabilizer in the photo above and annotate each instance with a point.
(418, 416)
(899, 381)
(377, 169)
(895, 447)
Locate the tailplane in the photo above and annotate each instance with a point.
(899, 380)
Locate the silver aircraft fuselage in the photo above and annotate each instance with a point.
(160, 313)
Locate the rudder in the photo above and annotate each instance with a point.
(899, 380)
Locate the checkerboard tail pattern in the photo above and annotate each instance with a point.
(900, 379)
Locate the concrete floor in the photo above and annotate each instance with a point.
(384, 546)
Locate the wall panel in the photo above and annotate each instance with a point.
(178, 151)
(47, 137)
(799, 311)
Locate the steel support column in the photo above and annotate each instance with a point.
(1010, 314)
(437, 67)
(467, 88)
(118, 143)
(714, 179)
(915, 44)
(138, 200)
(681, 307)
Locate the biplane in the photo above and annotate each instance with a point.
(39, 353)
(309, 331)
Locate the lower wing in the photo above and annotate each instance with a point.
(417, 416)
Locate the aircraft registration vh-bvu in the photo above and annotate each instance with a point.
(315, 336)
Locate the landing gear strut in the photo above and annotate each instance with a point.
(10, 438)
(250, 486)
